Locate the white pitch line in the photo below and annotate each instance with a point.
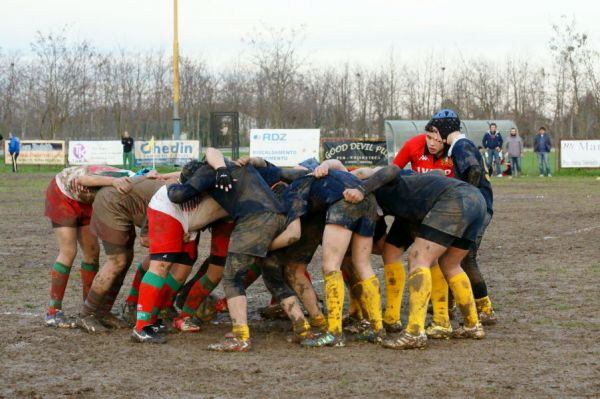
(29, 314)
(570, 233)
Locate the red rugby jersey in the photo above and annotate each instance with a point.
(421, 160)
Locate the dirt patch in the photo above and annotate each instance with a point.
(540, 256)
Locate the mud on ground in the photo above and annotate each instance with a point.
(541, 258)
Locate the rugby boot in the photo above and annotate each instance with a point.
(488, 319)
(406, 341)
(111, 321)
(475, 332)
(185, 324)
(370, 335)
(91, 324)
(58, 319)
(147, 335)
(231, 344)
(356, 326)
(395, 327)
(321, 340)
(160, 327)
(436, 331)
(129, 313)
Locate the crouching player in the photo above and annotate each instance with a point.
(173, 233)
(260, 220)
(450, 214)
(114, 219)
(69, 199)
(346, 224)
(468, 167)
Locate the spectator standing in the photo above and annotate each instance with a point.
(542, 144)
(128, 155)
(492, 142)
(14, 149)
(514, 151)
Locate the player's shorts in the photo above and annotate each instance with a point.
(254, 233)
(380, 229)
(402, 233)
(456, 218)
(64, 211)
(109, 223)
(359, 218)
(165, 234)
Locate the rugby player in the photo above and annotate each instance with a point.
(469, 167)
(69, 199)
(251, 203)
(449, 214)
(173, 233)
(345, 224)
(113, 221)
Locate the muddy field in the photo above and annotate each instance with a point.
(541, 258)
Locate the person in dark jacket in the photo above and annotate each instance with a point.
(14, 148)
(128, 154)
(542, 144)
(492, 142)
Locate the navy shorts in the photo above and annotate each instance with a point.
(456, 218)
(359, 218)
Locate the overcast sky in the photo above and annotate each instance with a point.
(335, 31)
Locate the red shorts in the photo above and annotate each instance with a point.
(65, 211)
(165, 234)
(219, 243)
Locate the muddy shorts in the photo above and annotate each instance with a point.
(359, 218)
(64, 211)
(456, 218)
(109, 234)
(253, 234)
(402, 233)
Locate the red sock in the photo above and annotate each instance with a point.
(87, 273)
(59, 277)
(198, 293)
(134, 291)
(150, 295)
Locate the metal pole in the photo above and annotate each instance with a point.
(176, 120)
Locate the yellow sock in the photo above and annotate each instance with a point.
(395, 278)
(463, 295)
(301, 327)
(370, 300)
(484, 305)
(355, 311)
(419, 289)
(319, 323)
(439, 297)
(334, 298)
(241, 331)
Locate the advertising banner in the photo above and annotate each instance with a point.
(356, 152)
(39, 152)
(580, 153)
(109, 152)
(285, 147)
(166, 152)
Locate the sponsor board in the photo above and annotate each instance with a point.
(580, 153)
(107, 152)
(285, 147)
(172, 152)
(39, 152)
(356, 152)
